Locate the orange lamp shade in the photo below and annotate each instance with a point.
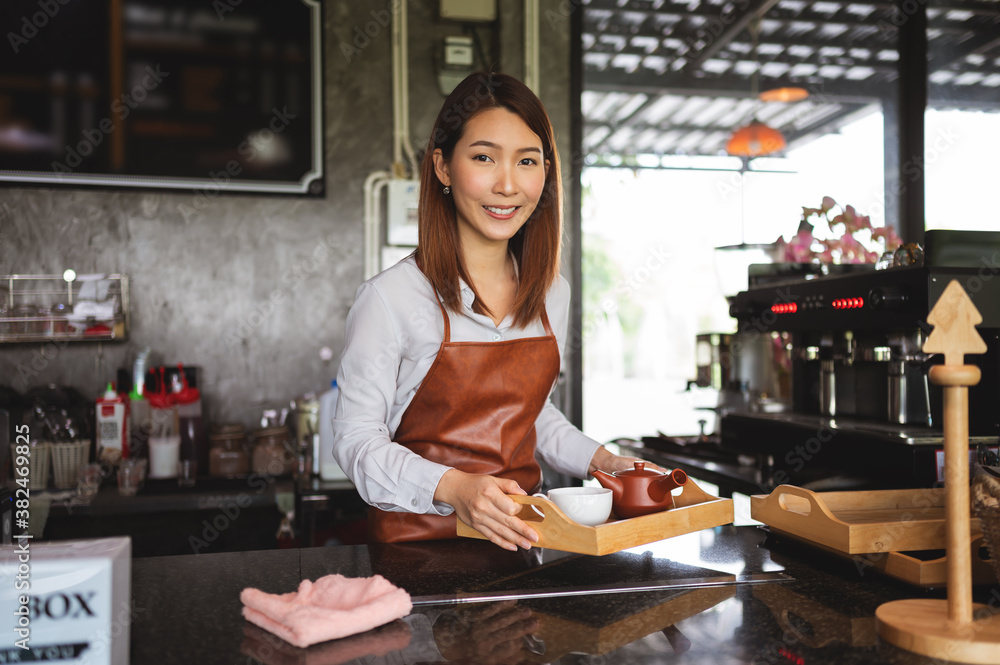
(755, 140)
(784, 95)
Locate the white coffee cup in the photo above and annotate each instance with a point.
(588, 506)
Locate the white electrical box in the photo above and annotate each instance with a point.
(469, 10)
(458, 52)
(404, 200)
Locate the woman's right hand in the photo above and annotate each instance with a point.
(481, 502)
(486, 633)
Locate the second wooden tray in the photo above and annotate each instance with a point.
(858, 522)
(694, 510)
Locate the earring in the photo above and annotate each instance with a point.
(447, 189)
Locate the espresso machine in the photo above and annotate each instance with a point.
(861, 411)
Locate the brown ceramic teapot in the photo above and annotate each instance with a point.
(640, 491)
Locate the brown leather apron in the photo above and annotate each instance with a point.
(475, 411)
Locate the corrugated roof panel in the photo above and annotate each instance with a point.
(666, 142)
(598, 61)
(717, 66)
(859, 73)
(832, 48)
(713, 111)
(691, 107)
(626, 61)
(690, 142)
(621, 141)
(595, 137)
(968, 78)
(629, 106)
(658, 110)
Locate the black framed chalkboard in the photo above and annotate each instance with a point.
(211, 95)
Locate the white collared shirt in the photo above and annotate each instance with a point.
(394, 331)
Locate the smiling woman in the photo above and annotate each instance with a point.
(450, 356)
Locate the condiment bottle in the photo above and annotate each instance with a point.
(112, 427)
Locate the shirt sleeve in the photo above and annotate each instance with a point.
(386, 474)
(563, 447)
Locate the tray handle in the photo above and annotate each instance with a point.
(816, 506)
(557, 524)
(551, 512)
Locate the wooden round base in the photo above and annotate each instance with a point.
(921, 625)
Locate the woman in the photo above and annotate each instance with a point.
(450, 355)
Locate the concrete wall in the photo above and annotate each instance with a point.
(199, 284)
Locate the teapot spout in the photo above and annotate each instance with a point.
(661, 487)
(610, 482)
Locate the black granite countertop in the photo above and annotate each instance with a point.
(812, 608)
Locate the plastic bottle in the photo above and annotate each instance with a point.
(112, 427)
(328, 467)
(194, 441)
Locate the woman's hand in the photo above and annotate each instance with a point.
(605, 460)
(485, 634)
(482, 502)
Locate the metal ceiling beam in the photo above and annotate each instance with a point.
(591, 125)
(840, 91)
(757, 9)
(881, 11)
(725, 86)
(825, 125)
(980, 43)
(874, 42)
(815, 59)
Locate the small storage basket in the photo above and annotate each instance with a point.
(66, 459)
(38, 465)
(986, 503)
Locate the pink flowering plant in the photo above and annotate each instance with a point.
(856, 242)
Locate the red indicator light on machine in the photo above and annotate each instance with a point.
(785, 308)
(848, 303)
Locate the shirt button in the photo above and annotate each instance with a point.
(497, 336)
(413, 502)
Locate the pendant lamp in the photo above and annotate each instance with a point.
(786, 94)
(755, 139)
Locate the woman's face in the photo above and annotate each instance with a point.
(496, 174)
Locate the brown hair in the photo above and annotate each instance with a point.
(536, 245)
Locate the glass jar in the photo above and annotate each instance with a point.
(274, 451)
(228, 456)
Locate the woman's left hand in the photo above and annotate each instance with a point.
(605, 460)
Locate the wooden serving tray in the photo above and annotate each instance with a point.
(919, 568)
(693, 510)
(562, 636)
(792, 611)
(858, 522)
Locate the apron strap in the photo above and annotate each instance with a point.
(444, 315)
(545, 322)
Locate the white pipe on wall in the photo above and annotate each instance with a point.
(374, 184)
(404, 89)
(397, 110)
(402, 146)
(531, 45)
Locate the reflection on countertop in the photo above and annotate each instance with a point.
(819, 610)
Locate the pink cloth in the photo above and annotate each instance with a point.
(331, 607)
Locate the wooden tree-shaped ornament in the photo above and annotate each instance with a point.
(955, 629)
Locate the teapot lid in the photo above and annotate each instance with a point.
(640, 471)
